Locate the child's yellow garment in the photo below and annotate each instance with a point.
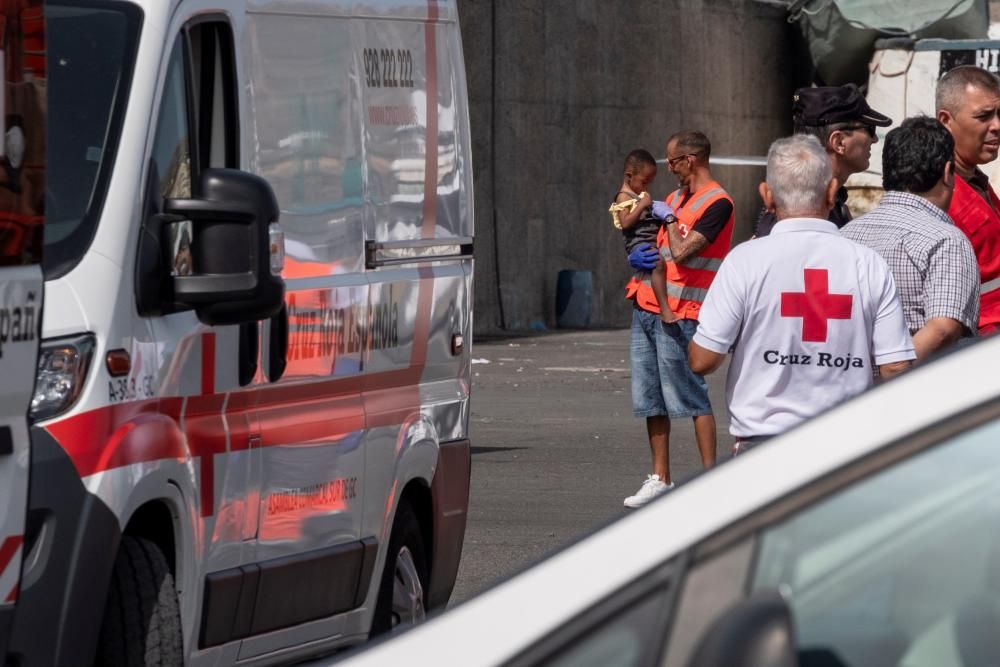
(626, 206)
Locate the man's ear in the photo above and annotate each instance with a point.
(948, 175)
(944, 117)
(766, 196)
(835, 143)
(831, 193)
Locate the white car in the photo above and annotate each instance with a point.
(868, 536)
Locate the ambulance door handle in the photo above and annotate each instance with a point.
(6, 441)
(278, 345)
(249, 352)
(251, 520)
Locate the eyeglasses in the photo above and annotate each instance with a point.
(867, 127)
(672, 161)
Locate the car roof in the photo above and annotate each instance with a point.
(496, 625)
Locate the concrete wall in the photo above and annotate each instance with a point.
(562, 90)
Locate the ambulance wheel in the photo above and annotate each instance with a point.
(142, 618)
(401, 595)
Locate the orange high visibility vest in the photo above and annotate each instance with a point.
(687, 283)
(981, 224)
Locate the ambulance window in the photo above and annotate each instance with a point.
(89, 60)
(214, 93)
(171, 146)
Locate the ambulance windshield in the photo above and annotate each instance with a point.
(89, 60)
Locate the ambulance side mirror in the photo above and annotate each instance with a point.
(220, 253)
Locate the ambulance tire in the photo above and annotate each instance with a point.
(142, 618)
(402, 593)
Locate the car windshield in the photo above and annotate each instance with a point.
(902, 568)
(91, 51)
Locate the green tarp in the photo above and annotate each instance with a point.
(841, 33)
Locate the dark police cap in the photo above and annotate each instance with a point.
(826, 105)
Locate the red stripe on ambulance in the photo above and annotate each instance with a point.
(7, 551)
(208, 363)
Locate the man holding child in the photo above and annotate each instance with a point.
(692, 248)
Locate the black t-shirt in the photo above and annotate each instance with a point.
(713, 220)
(840, 215)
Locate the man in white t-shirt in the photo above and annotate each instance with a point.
(805, 311)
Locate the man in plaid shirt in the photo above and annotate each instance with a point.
(931, 260)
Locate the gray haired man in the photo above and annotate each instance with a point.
(807, 314)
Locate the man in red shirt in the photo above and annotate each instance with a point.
(968, 104)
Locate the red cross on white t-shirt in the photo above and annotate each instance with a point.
(816, 306)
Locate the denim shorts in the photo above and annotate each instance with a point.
(662, 382)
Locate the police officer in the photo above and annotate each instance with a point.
(839, 116)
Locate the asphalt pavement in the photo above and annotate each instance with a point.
(555, 448)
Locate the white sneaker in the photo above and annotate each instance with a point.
(649, 490)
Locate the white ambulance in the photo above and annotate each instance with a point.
(250, 423)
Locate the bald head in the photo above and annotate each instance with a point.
(694, 142)
(952, 88)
